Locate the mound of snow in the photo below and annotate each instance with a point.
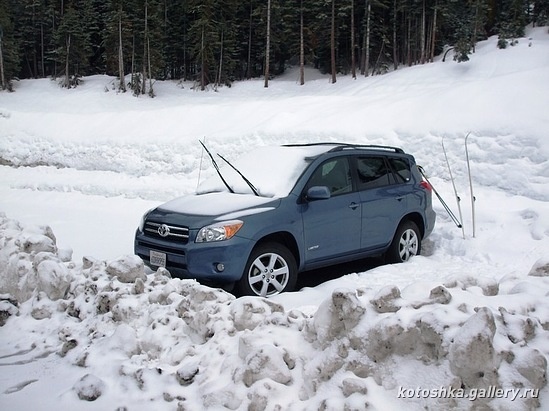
(108, 333)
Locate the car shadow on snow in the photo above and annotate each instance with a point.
(313, 278)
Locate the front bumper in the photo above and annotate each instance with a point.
(200, 261)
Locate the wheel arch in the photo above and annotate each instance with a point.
(284, 238)
(415, 218)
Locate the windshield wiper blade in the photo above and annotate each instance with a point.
(252, 187)
(216, 167)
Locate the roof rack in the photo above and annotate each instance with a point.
(343, 146)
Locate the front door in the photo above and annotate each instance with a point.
(332, 226)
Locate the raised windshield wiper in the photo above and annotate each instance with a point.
(252, 187)
(216, 167)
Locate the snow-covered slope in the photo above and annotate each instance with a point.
(79, 167)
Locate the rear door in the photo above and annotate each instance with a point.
(332, 226)
(383, 198)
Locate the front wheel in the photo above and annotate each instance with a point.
(406, 243)
(271, 269)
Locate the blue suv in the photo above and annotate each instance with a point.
(279, 211)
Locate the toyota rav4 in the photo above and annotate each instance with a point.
(279, 211)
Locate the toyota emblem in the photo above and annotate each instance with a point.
(163, 230)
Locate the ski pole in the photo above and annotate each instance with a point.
(448, 210)
(473, 199)
(458, 199)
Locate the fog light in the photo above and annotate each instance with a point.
(220, 267)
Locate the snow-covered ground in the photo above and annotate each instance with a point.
(464, 325)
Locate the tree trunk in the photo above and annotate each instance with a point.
(54, 74)
(363, 51)
(218, 80)
(301, 48)
(353, 57)
(2, 75)
(433, 36)
(122, 84)
(363, 55)
(423, 39)
(202, 63)
(34, 59)
(367, 38)
(395, 46)
(67, 75)
(144, 62)
(268, 46)
(133, 80)
(332, 45)
(474, 38)
(42, 64)
(409, 41)
(249, 66)
(151, 92)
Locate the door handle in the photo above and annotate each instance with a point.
(354, 206)
(400, 198)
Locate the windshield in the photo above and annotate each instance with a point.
(272, 170)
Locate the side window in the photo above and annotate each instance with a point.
(372, 173)
(334, 174)
(401, 170)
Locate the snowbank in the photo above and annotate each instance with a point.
(110, 334)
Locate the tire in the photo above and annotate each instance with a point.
(271, 269)
(406, 243)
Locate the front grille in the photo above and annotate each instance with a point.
(167, 231)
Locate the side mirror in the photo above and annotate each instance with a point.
(318, 193)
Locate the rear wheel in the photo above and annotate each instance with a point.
(406, 243)
(271, 269)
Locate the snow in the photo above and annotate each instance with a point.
(258, 165)
(211, 204)
(466, 325)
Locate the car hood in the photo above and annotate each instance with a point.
(198, 209)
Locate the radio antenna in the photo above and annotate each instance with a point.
(200, 165)
(216, 167)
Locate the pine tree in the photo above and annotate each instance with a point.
(72, 37)
(512, 20)
(118, 40)
(540, 12)
(9, 57)
(30, 16)
(203, 37)
(227, 49)
(175, 24)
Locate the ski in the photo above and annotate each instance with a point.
(473, 199)
(458, 199)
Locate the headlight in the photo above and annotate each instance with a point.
(219, 231)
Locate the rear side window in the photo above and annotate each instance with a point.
(373, 173)
(401, 170)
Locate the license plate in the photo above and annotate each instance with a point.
(158, 259)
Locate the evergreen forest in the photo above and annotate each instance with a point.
(216, 42)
